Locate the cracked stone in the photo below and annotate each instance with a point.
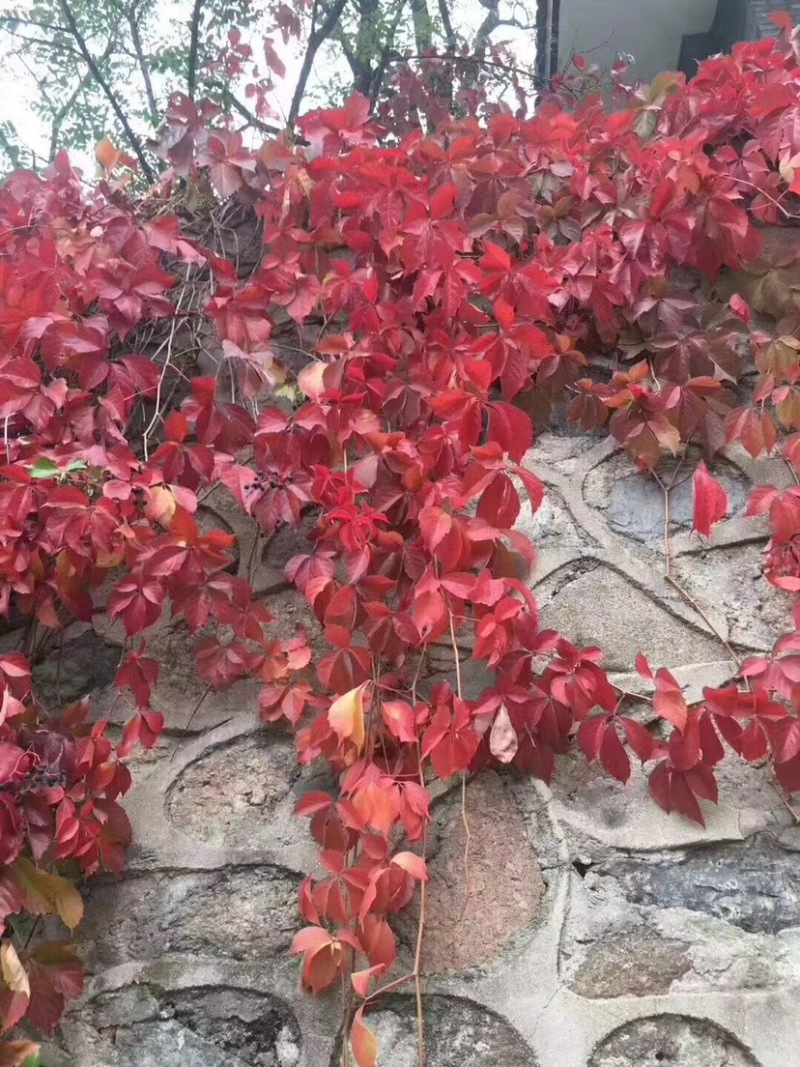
(756, 611)
(601, 607)
(209, 1027)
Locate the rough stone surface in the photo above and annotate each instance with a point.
(633, 964)
(598, 931)
(598, 606)
(227, 796)
(244, 914)
(225, 1027)
(669, 1041)
(81, 666)
(636, 504)
(755, 886)
(459, 1034)
(466, 928)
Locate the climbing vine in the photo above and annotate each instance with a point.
(372, 378)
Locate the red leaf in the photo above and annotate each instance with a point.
(669, 701)
(643, 667)
(399, 719)
(710, 501)
(740, 307)
(639, 738)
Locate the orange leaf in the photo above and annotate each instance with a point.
(346, 716)
(323, 957)
(106, 154)
(310, 939)
(361, 979)
(376, 806)
(363, 1042)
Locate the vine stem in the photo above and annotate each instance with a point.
(676, 585)
(787, 805)
(464, 819)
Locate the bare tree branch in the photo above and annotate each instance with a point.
(252, 120)
(66, 107)
(194, 43)
(486, 28)
(423, 27)
(137, 45)
(51, 46)
(317, 37)
(91, 62)
(386, 54)
(447, 23)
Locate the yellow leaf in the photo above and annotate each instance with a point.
(346, 716)
(48, 894)
(787, 166)
(14, 974)
(662, 84)
(161, 504)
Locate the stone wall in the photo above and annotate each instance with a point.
(596, 932)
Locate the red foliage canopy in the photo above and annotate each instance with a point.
(446, 292)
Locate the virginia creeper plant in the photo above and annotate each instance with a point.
(420, 301)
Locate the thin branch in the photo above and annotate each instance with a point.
(91, 62)
(191, 76)
(40, 42)
(34, 22)
(137, 46)
(252, 120)
(423, 27)
(449, 32)
(63, 111)
(317, 38)
(475, 61)
(376, 79)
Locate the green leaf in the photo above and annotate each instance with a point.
(44, 467)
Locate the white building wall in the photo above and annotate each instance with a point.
(649, 30)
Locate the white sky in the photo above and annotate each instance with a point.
(19, 85)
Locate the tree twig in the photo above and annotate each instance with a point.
(318, 37)
(252, 120)
(137, 47)
(91, 62)
(449, 33)
(194, 43)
